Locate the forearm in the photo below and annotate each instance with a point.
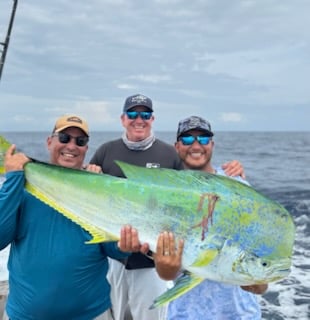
(11, 195)
(256, 288)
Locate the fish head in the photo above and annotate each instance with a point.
(265, 269)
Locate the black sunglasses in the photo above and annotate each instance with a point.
(63, 137)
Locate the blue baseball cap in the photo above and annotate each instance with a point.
(138, 100)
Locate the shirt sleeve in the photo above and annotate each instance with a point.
(11, 197)
(221, 172)
(111, 250)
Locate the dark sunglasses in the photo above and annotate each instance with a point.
(189, 140)
(63, 137)
(144, 115)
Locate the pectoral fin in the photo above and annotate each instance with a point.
(205, 258)
(183, 284)
(98, 235)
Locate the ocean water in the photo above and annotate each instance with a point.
(277, 164)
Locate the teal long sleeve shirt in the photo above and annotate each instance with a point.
(53, 274)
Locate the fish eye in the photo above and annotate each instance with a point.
(265, 264)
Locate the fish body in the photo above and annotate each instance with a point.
(232, 233)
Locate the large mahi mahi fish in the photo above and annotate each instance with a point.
(232, 233)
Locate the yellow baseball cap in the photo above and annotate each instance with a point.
(71, 120)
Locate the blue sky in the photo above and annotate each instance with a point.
(243, 65)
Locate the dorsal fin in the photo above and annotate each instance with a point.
(158, 176)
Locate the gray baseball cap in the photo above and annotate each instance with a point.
(194, 123)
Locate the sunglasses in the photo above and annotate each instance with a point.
(189, 140)
(63, 137)
(144, 115)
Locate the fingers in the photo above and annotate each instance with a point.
(166, 245)
(168, 257)
(145, 248)
(14, 161)
(169, 247)
(234, 168)
(129, 239)
(92, 168)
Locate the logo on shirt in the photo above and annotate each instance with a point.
(152, 165)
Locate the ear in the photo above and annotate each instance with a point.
(176, 145)
(212, 144)
(123, 119)
(48, 142)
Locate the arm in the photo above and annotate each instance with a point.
(234, 168)
(256, 288)
(11, 195)
(168, 257)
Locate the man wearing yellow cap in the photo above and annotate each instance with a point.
(53, 274)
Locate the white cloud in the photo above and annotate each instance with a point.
(231, 117)
(126, 86)
(202, 56)
(151, 78)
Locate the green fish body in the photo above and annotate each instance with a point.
(232, 233)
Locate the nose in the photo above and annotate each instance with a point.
(196, 144)
(71, 143)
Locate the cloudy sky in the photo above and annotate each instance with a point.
(244, 65)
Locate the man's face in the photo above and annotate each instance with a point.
(195, 156)
(69, 154)
(137, 129)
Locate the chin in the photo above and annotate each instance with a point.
(68, 164)
(195, 166)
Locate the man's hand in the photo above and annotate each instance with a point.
(129, 240)
(92, 168)
(234, 168)
(14, 161)
(168, 257)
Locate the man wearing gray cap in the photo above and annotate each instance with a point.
(135, 283)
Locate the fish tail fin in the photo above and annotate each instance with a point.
(4, 146)
(183, 284)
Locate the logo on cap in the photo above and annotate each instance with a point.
(74, 119)
(139, 99)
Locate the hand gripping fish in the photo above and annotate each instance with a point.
(233, 234)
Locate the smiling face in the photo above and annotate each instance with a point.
(137, 129)
(196, 156)
(67, 154)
